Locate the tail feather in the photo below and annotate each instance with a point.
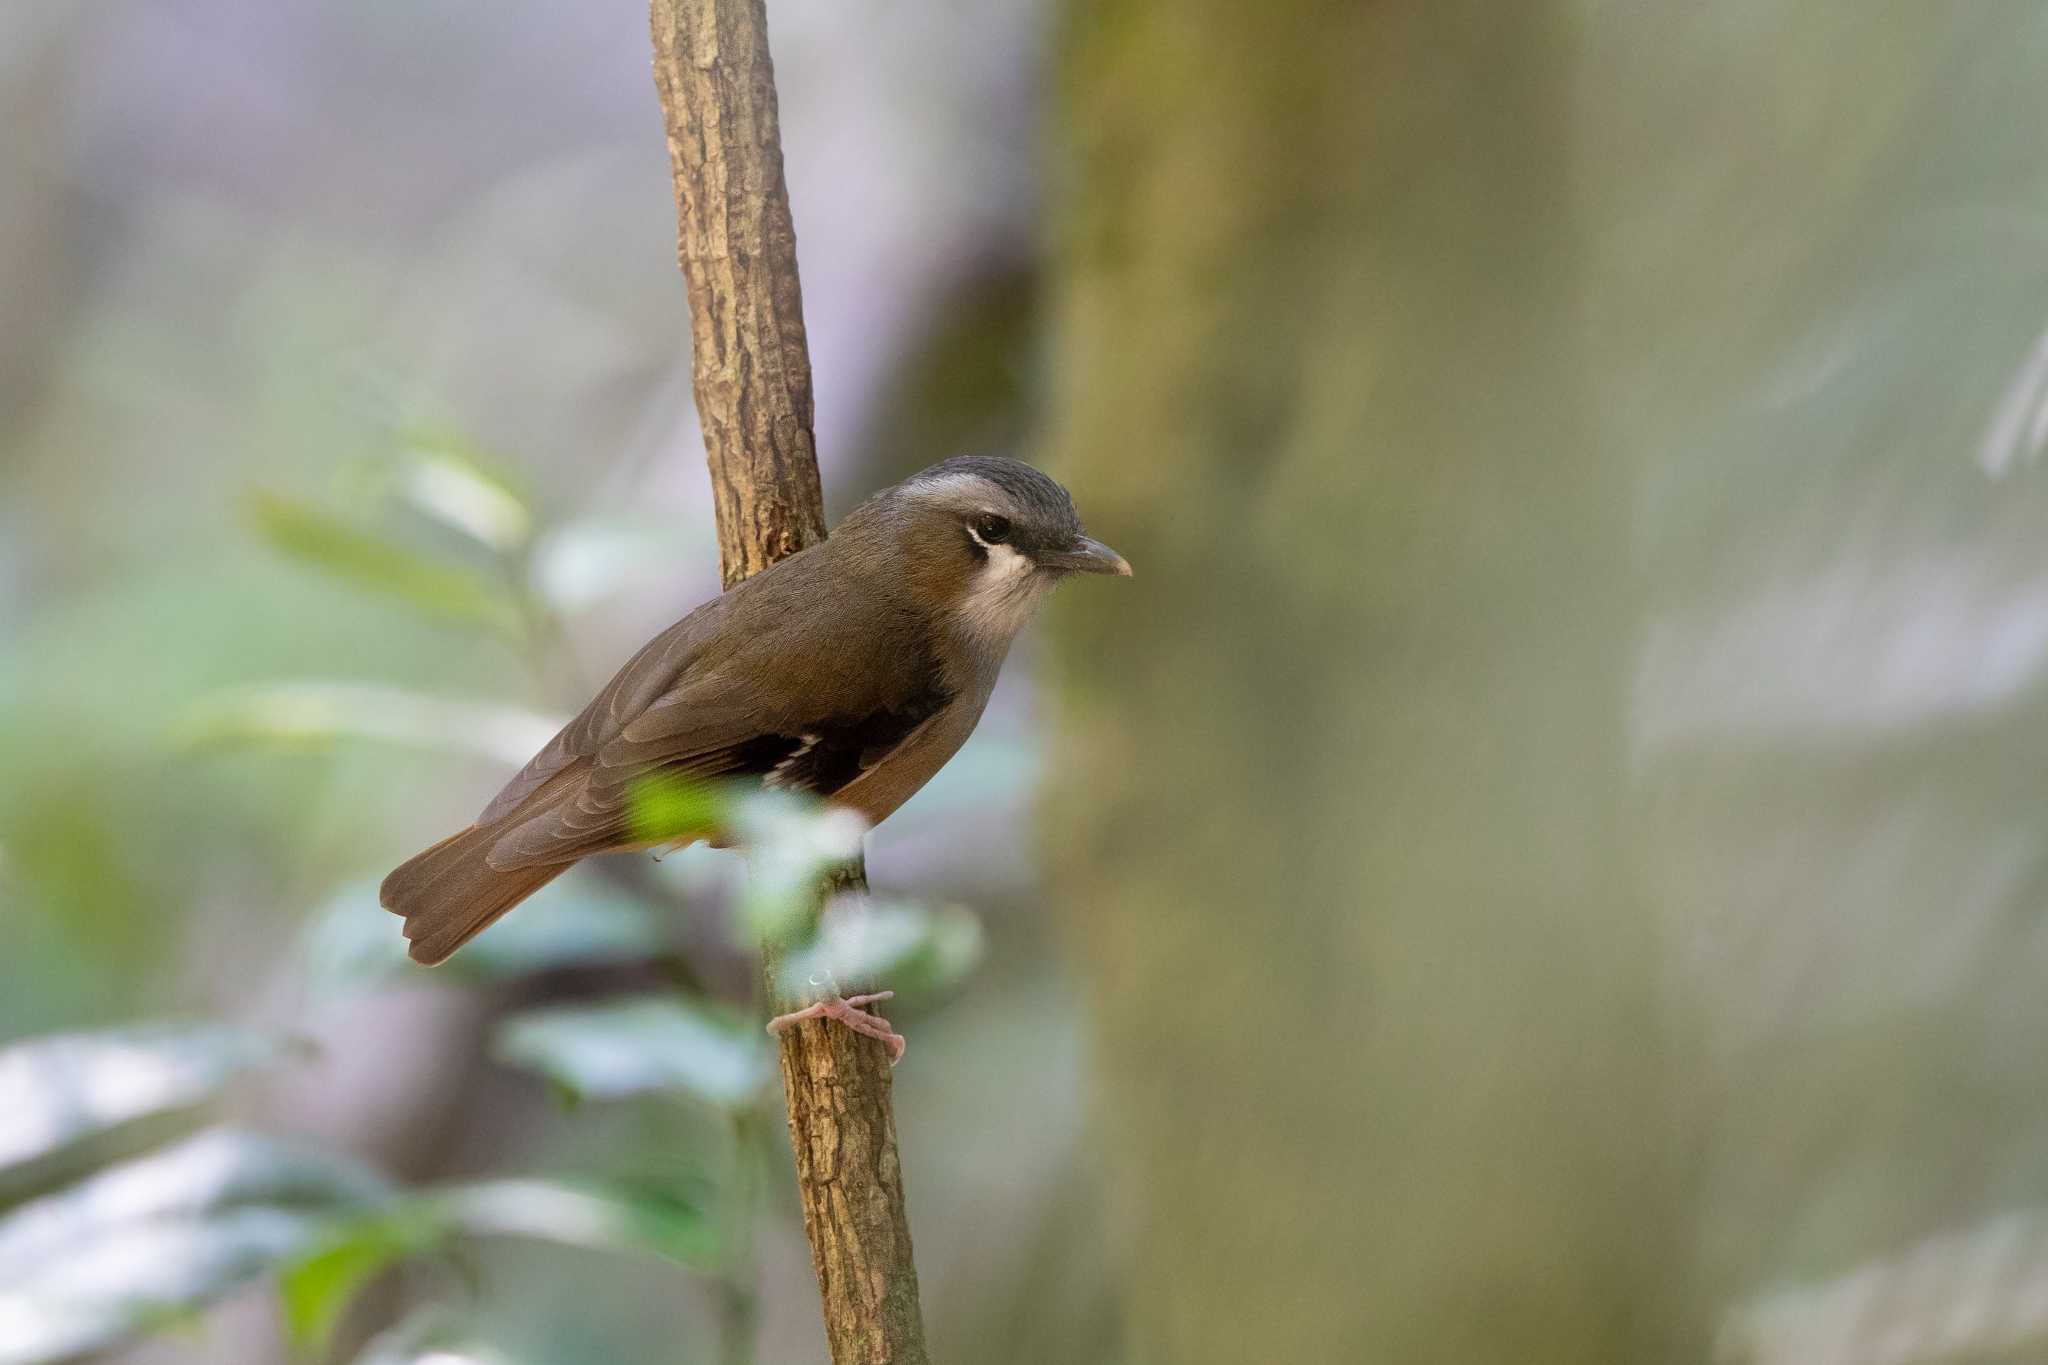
(449, 894)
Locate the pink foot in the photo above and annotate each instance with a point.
(847, 1010)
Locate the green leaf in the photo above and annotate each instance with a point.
(592, 1215)
(378, 563)
(161, 1236)
(321, 713)
(649, 1046)
(793, 844)
(862, 943)
(318, 1286)
(352, 945)
(60, 1090)
(429, 1337)
(662, 809)
(582, 563)
(442, 476)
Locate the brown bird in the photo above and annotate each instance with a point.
(851, 670)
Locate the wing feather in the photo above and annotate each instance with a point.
(652, 671)
(817, 701)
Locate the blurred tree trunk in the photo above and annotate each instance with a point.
(1343, 792)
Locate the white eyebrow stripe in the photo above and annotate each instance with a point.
(945, 486)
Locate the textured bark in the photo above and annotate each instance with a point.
(836, 1084)
(752, 374)
(750, 363)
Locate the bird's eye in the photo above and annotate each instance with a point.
(992, 529)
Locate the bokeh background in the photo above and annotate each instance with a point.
(1544, 862)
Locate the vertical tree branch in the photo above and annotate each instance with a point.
(751, 371)
(750, 363)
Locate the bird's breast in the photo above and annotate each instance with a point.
(899, 774)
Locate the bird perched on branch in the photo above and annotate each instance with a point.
(851, 670)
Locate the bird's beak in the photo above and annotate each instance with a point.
(1087, 556)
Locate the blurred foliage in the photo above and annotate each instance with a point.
(93, 1255)
(320, 501)
(1579, 692)
(659, 1045)
(349, 950)
(429, 1338)
(661, 810)
(61, 1092)
(318, 714)
(440, 474)
(103, 1243)
(136, 1246)
(317, 1285)
(92, 1250)
(865, 943)
(380, 564)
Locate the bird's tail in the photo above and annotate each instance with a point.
(449, 894)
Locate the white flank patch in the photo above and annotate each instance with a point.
(780, 771)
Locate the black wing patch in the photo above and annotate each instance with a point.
(833, 754)
(590, 813)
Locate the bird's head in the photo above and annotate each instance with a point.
(984, 538)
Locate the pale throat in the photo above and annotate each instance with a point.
(1002, 597)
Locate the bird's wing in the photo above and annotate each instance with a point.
(589, 810)
(799, 705)
(649, 673)
(586, 808)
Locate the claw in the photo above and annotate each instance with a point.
(847, 1010)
